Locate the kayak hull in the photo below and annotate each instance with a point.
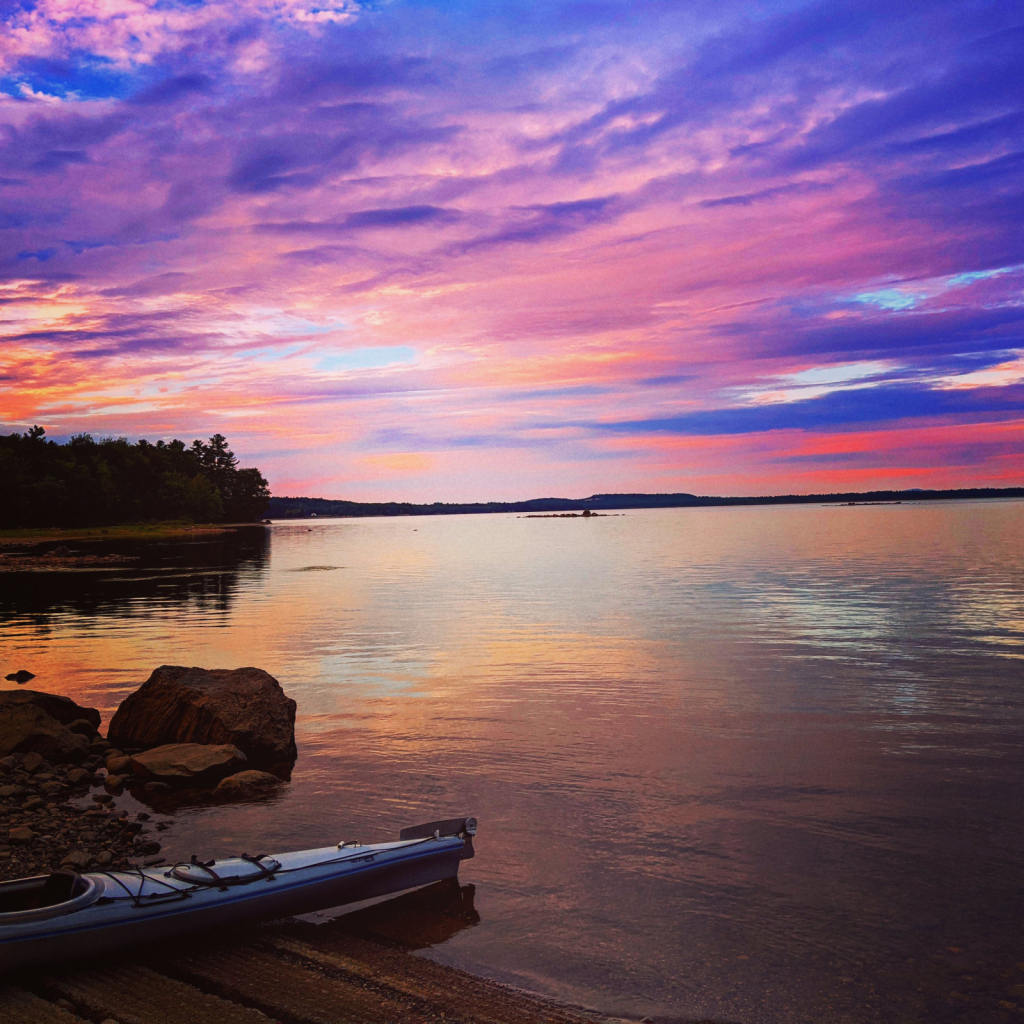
(110, 924)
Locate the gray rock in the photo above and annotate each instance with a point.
(28, 729)
(32, 761)
(196, 763)
(77, 859)
(247, 785)
(245, 707)
(64, 709)
(21, 835)
(79, 776)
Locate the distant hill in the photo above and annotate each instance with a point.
(299, 508)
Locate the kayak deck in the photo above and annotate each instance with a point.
(115, 908)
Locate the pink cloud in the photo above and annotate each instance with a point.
(579, 237)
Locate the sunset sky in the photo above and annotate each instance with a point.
(426, 250)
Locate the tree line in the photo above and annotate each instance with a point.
(295, 508)
(86, 482)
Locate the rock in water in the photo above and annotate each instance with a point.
(24, 727)
(21, 676)
(64, 709)
(119, 765)
(248, 785)
(201, 764)
(245, 707)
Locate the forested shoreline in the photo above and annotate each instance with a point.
(298, 508)
(111, 481)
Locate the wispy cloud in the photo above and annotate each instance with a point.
(465, 251)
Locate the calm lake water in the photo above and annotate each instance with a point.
(760, 765)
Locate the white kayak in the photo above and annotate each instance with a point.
(63, 915)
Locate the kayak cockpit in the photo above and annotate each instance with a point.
(45, 896)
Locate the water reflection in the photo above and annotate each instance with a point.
(203, 574)
(416, 920)
(750, 764)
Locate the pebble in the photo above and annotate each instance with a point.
(77, 859)
(66, 1004)
(43, 832)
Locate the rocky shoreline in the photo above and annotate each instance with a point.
(186, 735)
(48, 827)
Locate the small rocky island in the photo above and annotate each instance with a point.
(186, 734)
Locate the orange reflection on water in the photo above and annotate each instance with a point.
(787, 734)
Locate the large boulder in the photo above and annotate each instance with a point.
(64, 709)
(244, 706)
(26, 728)
(197, 764)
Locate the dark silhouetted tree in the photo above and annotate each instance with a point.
(94, 483)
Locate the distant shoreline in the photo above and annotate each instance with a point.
(306, 508)
(32, 535)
